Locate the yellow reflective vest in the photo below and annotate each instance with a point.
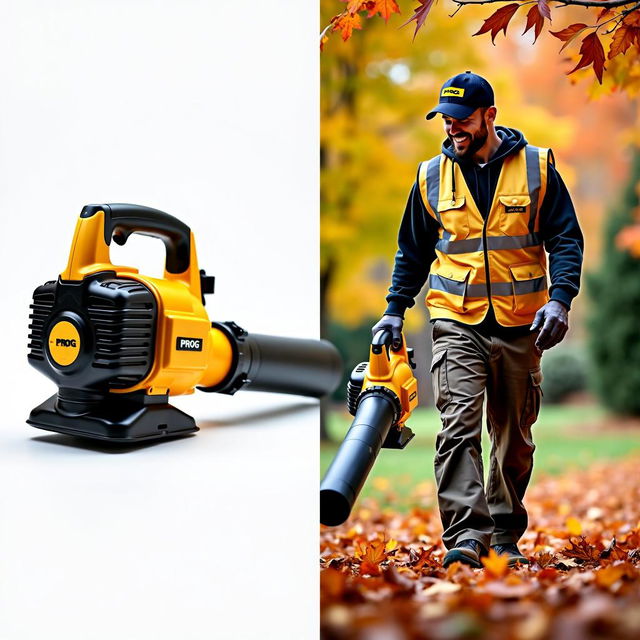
(499, 259)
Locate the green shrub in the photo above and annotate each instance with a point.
(565, 371)
(614, 320)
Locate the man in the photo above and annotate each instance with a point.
(478, 221)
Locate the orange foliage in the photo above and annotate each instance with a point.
(588, 583)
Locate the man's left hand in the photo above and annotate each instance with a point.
(554, 320)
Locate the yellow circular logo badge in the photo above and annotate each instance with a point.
(64, 343)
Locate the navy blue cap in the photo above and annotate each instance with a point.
(461, 95)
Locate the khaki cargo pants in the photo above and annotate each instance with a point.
(465, 366)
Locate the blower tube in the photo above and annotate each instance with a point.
(280, 365)
(378, 410)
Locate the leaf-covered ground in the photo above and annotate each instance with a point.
(382, 576)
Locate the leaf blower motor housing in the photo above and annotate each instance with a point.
(117, 343)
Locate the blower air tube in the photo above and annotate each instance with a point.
(293, 365)
(280, 365)
(377, 412)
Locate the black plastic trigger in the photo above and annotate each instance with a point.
(207, 284)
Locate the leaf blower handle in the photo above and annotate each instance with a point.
(98, 224)
(121, 220)
(272, 363)
(383, 338)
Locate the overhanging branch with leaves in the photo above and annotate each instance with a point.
(616, 25)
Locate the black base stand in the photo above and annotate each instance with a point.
(116, 418)
(398, 438)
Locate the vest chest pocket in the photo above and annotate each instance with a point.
(448, 287)
(455, 217)
(526, 279)
(515, 211)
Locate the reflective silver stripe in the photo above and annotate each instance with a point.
(480, 290)
(446, 285)
(471, 245)
(518, 287)
(533, 182)
(477, 290)
(460, 246)
(433, 185)
(513, 242)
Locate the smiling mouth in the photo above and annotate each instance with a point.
(461, 139)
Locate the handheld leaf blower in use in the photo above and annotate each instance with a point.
(118, 343)
(381, 395)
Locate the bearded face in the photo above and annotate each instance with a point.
(468, 135)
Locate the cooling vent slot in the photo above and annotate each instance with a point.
(43, 299)
(123, 328)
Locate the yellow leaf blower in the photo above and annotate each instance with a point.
(381, 394)
(118, 343)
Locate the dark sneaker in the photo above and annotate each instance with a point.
(511, 550)
(468, 552)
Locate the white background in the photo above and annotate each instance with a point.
(206, 110)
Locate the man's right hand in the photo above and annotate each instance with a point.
(393, 324)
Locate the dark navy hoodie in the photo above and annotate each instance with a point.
(559, 230)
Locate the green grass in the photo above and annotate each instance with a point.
(566, 438)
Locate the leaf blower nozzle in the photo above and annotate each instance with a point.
(118, 343)
(280, 365)
(381, 395)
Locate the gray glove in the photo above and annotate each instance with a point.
(554, 320)
(393, 324)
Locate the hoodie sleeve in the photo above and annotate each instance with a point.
(416, 251)
(562, 239)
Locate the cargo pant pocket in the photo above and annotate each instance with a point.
(441, 392)
(533, 398)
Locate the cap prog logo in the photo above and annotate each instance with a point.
(453, 92)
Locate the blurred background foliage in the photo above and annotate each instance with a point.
(375, 91)
(613, 326)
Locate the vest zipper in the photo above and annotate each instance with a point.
(484, 238)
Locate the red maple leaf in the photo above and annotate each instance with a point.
(592, 53)
(536, 20)
(420, 15)
(569, 34)
(498, 21)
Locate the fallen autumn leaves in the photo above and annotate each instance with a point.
(382, 576)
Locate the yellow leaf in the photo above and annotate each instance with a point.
(391, 545)
(574, 527)
(496, 565)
